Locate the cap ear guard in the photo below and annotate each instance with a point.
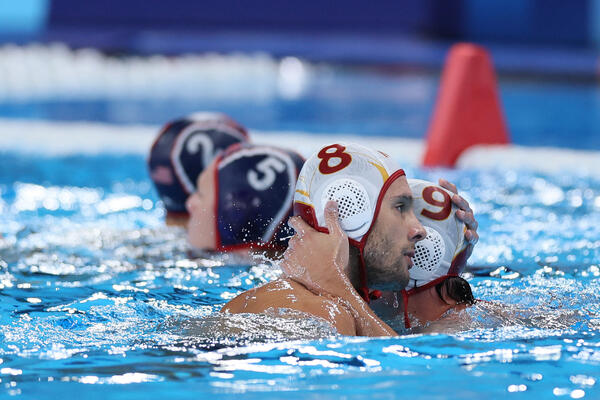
(354, 205)
(429, 254)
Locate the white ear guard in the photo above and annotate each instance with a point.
(429, 253)
(445, 236)
(354, 205)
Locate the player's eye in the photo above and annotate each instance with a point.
(401, 206)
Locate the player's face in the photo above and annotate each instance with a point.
(201, 206)
(391, 243)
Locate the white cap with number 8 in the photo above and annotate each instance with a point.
(350, 174)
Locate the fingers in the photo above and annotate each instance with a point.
(464, 214)
(468, 218)
(332, 218)
(299, 225)
(461, 203)
(471, 236)
(448, 185)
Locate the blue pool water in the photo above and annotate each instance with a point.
(100, 300)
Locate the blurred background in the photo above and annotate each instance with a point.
(310, 66)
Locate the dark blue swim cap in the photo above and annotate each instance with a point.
(254, 192)
(183, 148)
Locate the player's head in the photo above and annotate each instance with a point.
(442, 253)
(441, 256)
(244, 199)
(183, 149)
(375, 209)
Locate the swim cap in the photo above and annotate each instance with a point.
(357, 178)
(254, 192)
(183, 148)
(438, 256)
(443, 252)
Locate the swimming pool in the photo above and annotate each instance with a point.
(100, 300)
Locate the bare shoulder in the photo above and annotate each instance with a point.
(284, 293)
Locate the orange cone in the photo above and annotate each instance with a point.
(467, 111)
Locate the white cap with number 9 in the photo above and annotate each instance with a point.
(438, 255)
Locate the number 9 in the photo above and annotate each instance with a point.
(445, 203)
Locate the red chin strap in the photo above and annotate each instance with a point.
(307, 212)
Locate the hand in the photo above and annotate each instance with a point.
(318, 260)
(464, 214)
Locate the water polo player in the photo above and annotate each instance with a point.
(375, 209)
(435, 285)
(244, 199)
(182, 150)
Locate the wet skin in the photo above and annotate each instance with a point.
(316, 250)
(343, 308)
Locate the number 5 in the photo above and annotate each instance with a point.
(267, 167)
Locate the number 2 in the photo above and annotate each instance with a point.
(201, 141)
(445, 204)
(268, 167)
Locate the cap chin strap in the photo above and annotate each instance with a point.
(363, 290)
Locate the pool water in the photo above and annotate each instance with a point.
(99, 299)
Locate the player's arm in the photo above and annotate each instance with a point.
(288, 294)
(318, 261)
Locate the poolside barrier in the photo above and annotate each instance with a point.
(467, 110)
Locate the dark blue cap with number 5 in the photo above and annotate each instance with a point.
(254, 192)
(183, 148)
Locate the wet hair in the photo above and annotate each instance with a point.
(458, 289)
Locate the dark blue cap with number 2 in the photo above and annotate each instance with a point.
(254, 192)
(183, 149)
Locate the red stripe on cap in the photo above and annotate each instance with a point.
(308, 214)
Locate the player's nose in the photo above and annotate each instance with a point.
(417, 231)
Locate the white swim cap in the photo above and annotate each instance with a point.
(354, 176)
(442, 252)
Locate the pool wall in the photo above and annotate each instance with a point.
(543, 36)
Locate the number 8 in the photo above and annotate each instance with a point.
(325, 155)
